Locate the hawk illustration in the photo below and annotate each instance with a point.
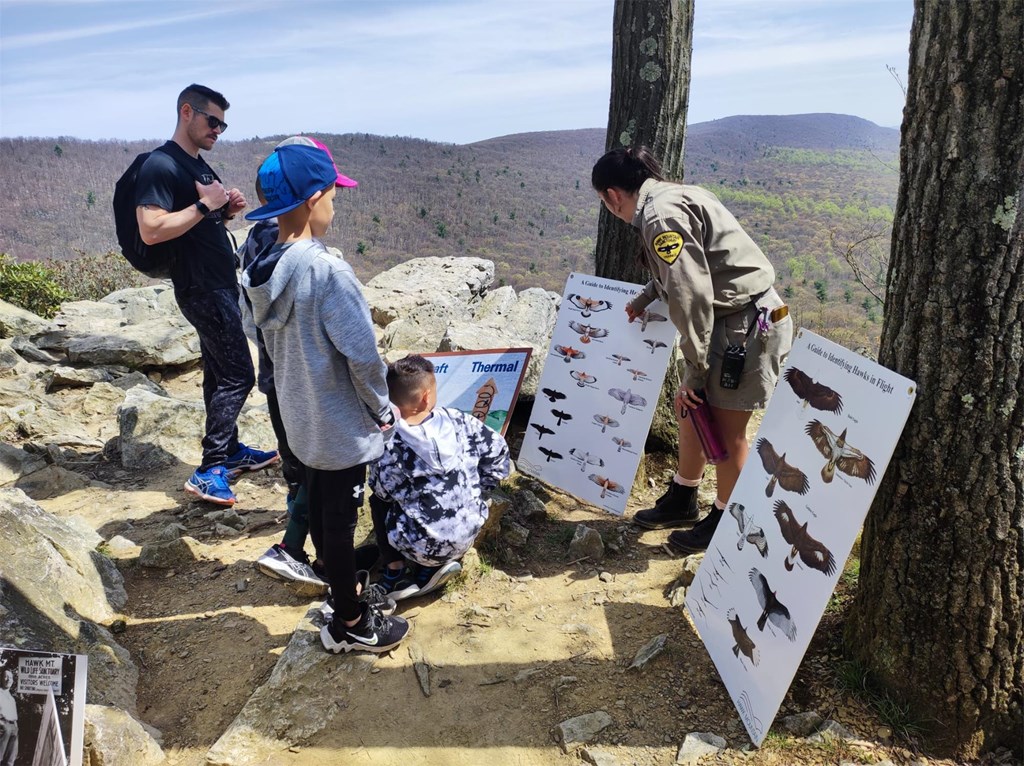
(839, 454)
(582, 378)
(542, 430)
(788, 477)
(551, 454)
(561, 416)
(605, 422)
(654, 344)
(606, 485)
(627, 398)
(772, 608)
(587, 331)
(650, 316)
(811, 552)
(586, 458)
(749, 531)
(621, 443)
(818, 395)
(568, 353)
(743, 642)
(552, 394)
(619, 359)
(637, 374)
(588, 305)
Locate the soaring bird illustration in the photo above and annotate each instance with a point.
(749, 531)
(587, 331)
(582, 378)
(605, 422)
(654, 344)
(818, 395)
(568, 353)
(619, 359)
(811, 551)
(743, 642)
(788, 477)
(561, 416)
(621, 443)
(586, 458)
(627, 398)
(839, 454)
(637, 374)
(552, 394)
(722, 559)
(650, 316)
(542, 430)
(772, 609)
(606, 485)
(588, 305)
(551, 454)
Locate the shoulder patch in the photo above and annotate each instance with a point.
(668, 245)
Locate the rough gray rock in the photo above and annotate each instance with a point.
(598, 757)
(456, 282)
(831, 730)
(528, 507)
(586, 544)
(421, 330)
(801, 724)
(61, 376)
(167, 554)
(51, 481)
(581, 729)
(16, 463)
(514, 533)
(698, 744)
(15, 321)
(113, 737)
(690, 566)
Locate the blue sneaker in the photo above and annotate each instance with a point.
(211, 485)
(250, 459)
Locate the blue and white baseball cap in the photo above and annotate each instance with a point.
(290, 176)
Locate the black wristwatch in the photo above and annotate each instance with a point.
(202, 208)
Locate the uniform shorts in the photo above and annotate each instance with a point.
(766, 353)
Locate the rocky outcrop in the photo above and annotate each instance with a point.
(455, 282)
(15, 321)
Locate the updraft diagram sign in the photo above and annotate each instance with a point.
(826, 439)
(484, 384)
(598, 392)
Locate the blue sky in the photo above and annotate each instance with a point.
(444, 70)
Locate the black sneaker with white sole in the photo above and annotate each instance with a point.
(430, 579)
(374, 595)
(374, 632)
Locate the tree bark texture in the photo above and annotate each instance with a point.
(938, 613)
(651, 48)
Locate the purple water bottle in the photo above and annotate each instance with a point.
(707, 430)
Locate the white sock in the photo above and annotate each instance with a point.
(686, 482)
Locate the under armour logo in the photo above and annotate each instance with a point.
(357, 491)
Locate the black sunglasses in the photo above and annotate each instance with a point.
(212, 121)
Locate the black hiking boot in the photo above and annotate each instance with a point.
(699, 538)
(676, 508)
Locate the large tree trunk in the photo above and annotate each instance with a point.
(937, 617)
(651, 51)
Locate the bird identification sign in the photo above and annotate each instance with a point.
(597, 394)
(826, 439)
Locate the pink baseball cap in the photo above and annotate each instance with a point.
(342, 180)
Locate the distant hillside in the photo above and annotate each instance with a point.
(523, 201)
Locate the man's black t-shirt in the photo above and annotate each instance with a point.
(204, 258)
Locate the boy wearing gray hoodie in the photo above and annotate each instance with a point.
(329, 377)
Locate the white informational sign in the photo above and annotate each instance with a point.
(484, 384)
(826, 439)
(45, 693)
(598, 392)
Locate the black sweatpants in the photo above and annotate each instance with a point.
(335, 498)
(228, 375)
(379, 510)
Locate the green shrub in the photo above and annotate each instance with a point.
(92, 277)
(30, 285)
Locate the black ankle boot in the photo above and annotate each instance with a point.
(676, 508)
(699, 538)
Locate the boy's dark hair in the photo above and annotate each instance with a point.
(408, 377)
(625, 168)
(199, 96)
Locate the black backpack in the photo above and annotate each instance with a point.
(152, 260)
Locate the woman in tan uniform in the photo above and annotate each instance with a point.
(718, 287)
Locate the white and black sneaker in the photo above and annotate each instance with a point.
(284, 565)
(430, 579)
(374, 632)
(374, 595)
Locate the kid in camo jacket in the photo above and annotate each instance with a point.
(428, 486)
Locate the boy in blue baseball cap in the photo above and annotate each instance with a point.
(330, 380)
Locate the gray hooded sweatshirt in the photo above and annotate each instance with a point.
(330, 379)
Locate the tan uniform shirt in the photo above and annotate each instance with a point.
(705, 266)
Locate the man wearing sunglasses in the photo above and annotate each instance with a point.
(181, 200)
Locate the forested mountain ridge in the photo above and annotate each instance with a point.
(805, 186)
